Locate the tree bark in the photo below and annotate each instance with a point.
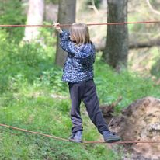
(115, 53)
(34, 17)
(66, 14)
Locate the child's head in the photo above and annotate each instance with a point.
(79, 33)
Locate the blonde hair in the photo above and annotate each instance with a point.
(79, 33)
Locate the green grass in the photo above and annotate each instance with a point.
(28, 79)
(46, 115)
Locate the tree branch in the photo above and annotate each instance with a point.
(150, 6)
(151, 43)
(93, 6)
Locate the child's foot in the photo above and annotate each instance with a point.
(110, 137)
(76, 137)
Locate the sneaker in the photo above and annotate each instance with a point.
(76, 137)
(110, 137)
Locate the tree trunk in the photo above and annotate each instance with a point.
(34, 17)
(116, 49)
(66, 14)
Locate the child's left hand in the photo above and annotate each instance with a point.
(57, 27)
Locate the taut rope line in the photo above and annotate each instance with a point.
(89, 24)
(84, 142)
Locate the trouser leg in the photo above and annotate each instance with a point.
(92, 105)
(76, 94)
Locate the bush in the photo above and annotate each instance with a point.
(12, 13)
(30, 62)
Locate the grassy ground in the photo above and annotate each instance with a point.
(37, 111)
(29, 83)
(45, 115)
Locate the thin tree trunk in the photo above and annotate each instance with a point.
(116, 49)
(104, 3)
(66, 14)
(34, 17)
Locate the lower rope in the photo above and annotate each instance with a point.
(85, 142)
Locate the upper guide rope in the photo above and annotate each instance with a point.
(89, 24)
(84, 142)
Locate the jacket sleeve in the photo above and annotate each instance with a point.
(65, 42)
(70, 47)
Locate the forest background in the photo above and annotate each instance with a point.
(32, 95)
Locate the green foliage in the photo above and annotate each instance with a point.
(97, 2)
(26, 62)
(156, 68)
(12, 13)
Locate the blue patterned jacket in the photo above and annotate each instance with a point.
(79, 63)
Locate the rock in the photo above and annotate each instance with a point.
(140, 122)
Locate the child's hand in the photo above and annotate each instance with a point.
(57, 27)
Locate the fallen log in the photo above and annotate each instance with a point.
(138, 45)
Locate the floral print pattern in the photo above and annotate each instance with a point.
(79, 63)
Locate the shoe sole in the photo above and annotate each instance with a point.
(71, 140)
(112, 140)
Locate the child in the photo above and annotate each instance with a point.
(78, 72)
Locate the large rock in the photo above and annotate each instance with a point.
(140, 122)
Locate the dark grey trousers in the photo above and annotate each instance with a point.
(85, 91)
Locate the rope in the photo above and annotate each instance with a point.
(89, 24)
(84, 142)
